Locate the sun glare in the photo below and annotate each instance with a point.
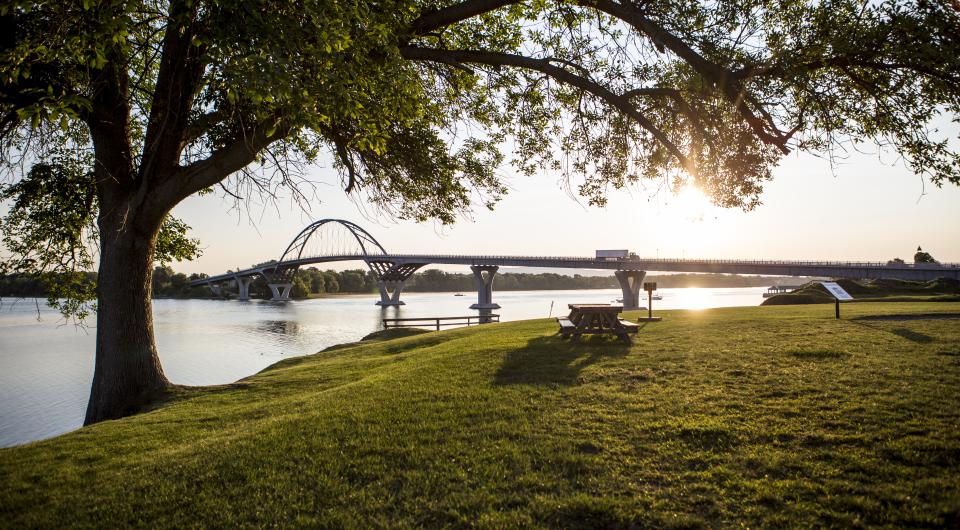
(690, 203)
(686, 224)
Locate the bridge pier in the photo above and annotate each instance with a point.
(387, 299)
(630, 283)
(281, 291)
(215, 289)
(484, 285)
(243, 286)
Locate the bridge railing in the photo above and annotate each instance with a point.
(692, 261)
(650, 263)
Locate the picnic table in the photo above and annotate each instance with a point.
(595, 319)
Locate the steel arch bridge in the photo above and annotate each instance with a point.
(331, 240)
(368, 245)
(326, 240)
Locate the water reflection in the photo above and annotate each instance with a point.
(693, 298)
(282, 327)
(390, 311)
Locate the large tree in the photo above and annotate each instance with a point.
(114, 111)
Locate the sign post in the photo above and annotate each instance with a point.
(650, 287)
(838, 294)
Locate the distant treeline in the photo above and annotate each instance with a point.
(29, 285)
(311, 281)
(170, 284)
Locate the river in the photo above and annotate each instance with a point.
(46, 365)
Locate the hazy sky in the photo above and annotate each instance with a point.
(864, 210)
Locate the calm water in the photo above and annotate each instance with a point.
(46, 366)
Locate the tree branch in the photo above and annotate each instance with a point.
(221, 163)
(717, 74)
(841, 61)
(677, 98)
(452, 14)
(455, 57)
(202, 125)
(343, 154)
(178, 79)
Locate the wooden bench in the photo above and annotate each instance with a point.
(631, 327)
(566, 327)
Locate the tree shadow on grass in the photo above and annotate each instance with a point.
(909, 334)
(551, 361)
(914, 336)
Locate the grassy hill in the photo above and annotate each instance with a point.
(766, 416)
(939, 290)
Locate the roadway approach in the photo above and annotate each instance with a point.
(393, 269)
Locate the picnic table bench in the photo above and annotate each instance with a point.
(587, 319)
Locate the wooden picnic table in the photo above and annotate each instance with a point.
(595, 319)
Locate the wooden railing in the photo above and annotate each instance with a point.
(438, 322)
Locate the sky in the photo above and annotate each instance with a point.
(868, 208)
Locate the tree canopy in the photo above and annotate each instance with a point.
(416, 100)
(923, 257)
(117, 110)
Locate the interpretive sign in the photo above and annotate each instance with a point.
(649, 286)
(837, 291)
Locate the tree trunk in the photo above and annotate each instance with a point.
(127, 373)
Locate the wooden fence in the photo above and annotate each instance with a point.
(438, 322)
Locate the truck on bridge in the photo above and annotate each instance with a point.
(611, 255)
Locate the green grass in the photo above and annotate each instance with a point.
(760, 417)
(393, 333)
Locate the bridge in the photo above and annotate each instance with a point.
(332, 240)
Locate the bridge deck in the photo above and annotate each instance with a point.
(836, 269)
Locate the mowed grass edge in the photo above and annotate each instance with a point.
(767, 416)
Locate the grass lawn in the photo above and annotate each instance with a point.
(766, 416)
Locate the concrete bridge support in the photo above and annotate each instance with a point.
(386, 288)
(281, 291)
(484, 283)
(243, 286)
(215, 289)
(630, 283)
